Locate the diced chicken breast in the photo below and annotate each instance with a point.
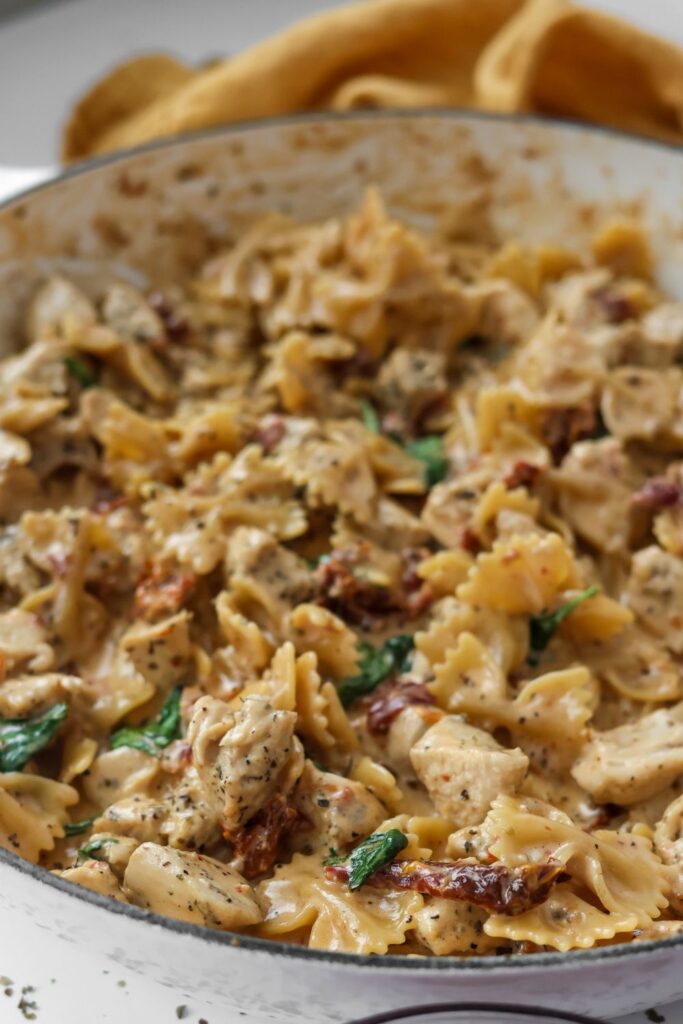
(655, 594)
(244, 757)
(24, 640)
(162, 652)
(635, 761)
(450, 926)
(114, 850)
(119, 773)
(96, 876)
(339, 811)
(191, 821)
(464, 769)
(190, 887)
(410, 380)
(138, 816)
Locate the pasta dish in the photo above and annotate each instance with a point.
(342, 589)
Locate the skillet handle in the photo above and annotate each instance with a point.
(14, 180)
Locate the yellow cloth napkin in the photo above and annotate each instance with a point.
(540, 55)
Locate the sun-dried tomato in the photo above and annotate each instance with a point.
(499, 889)
(564, 427)
(391, 698)
(522, 474)
(658, 492)
(162, 591)
(257, 843)
(344, 587)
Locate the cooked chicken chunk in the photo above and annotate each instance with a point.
(113, 850)
(138, 816)
(96, 876)
(272, 579)
(243, 757)
(59, 309)
(655, 594)
(190, 887)
(464, 769)
(119, 773)
(634, 761)
(23, 639)
(162, 652)
(190, 819)
(450, 926)
(338, 811)
(411, 380)
(595, 483)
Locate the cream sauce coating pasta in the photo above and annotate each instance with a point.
(358, 531)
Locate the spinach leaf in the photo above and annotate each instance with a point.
(370, 416)
(156, 735)
(375, 664)
(374, 852)
(80, 371)
(21, 738)
(429, 450)
(90, 850)
(542, 627)
(75, 828)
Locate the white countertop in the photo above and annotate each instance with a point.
(46, 58)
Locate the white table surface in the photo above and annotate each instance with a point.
(47, 57)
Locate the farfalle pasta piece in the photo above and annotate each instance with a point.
(506, 640)
(325, 728)
(249, 647)
(497, 498)
(626, 878)
(634, 665)
(502, 406)
(135, 447)
(266, 580)
(668, 842)
(302, 372)
(597, 619)
(521, 575)
(313, 628)
(112, 687)
(559, 366)
(556, 704)
(33, 812)
(298, 897)
(445, 570)
(378, 780)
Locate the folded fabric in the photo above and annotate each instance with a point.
(549, 56)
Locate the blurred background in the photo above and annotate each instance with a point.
(51, 50)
